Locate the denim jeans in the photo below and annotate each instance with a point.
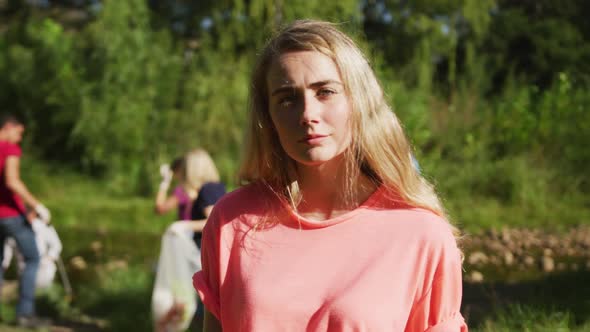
(22, 232)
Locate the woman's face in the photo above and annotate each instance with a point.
(309, 107)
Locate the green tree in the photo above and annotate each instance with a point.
(132, 76)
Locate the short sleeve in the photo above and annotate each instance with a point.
(439, 308)
(12, 150)
(207, 281)
(211, 193)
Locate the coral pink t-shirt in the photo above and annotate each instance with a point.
(380, 267)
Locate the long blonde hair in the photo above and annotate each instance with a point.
(199, 169)
(379, 148)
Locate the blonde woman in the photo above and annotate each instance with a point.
(211, 189)
(199, 188)
(198, 191)
(335, 230)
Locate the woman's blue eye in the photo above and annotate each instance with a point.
(325, 92)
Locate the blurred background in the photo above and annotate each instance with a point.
(493, 95)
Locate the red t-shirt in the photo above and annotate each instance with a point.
(11, 204)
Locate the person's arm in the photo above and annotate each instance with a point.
(164, 203)
(210, 323)
(198, 225)
(193, 225)
(14, 183)
(439, 305)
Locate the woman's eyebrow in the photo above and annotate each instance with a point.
(324, 82)
(314, 85)
(283, 89)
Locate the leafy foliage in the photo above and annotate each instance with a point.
(493, 94)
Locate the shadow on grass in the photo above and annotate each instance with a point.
(120, 297)
(567, 292)
(125, 311)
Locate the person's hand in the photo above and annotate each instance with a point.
(180, 228)
(166, 174)
(32, 215)
(49, 258)
(43, 213)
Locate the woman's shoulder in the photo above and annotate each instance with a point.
(246, 199)
(213, 185)
(212, 188)
(438, 232)
(427, 227)
(427, 218)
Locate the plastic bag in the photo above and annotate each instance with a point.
(49, 246)
(179, 260)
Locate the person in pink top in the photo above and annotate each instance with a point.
(334, 228)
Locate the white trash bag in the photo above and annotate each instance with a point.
(49, 246)
(179, 260)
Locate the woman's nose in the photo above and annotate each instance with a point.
(310, 109)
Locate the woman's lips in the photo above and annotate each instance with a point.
(313, 139)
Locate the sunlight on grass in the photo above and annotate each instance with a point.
(529, 319)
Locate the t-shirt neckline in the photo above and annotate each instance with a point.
(308, 223)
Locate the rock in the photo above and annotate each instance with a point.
(561, 266)
(494, 260)
(476, 277)
(492, 233)
(508, 258)
(529, 261)
(505, 235)
(118, 264)
(547, 252)
(495, 246)
(552, 241)
(96, 246)
(547, 264)
(477, 258)
(78, 263)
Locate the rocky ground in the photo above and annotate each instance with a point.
(516, 254)
(533, 268)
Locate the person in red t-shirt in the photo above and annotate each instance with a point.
(14, 195)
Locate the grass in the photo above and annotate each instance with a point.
(530, 319)
(122, 297)
(80, 201)
(555, 302)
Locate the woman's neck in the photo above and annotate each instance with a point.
(323, 189)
